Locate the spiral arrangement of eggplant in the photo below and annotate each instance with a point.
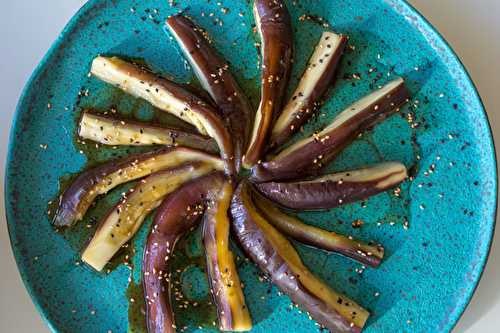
(186, 184)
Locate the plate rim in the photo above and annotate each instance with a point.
(399, 6)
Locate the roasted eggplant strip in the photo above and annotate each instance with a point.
(179, 213)
(215, 77)
(123, 221)
(336, 189)
(225, 284)
(309, 156)
(77, 198)
(275, 30)
(275, 255)
(366, 254)
(169, 97)
(315, 81)
(115, 132)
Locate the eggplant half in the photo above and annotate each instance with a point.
(115, 132)
(275, 30)
(313, 85)
(213, 72)
(169, 97)
(178, 214)
(308, 156)
(367, 254)
(336, 189)
(276, 256)
(225, 284)
(123, 221)
(77, 198)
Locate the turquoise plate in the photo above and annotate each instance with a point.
(437, 230)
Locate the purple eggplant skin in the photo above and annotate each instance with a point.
(326, 57)
(225, 285)
(309, 156)
(275, 29)
(167, 96)
(117, 131)
(77, 198)
(333, 190)
(367, 254)
(213, 72)
(179, 213)
(256, 243)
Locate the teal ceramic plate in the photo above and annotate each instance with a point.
(437, 232)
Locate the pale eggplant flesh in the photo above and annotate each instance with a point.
(307, 98)
(215, 76)
(275, 30)
(78, 197)
(120, 132)
(225, 285)
(333, 190)
(276, 256)
(125, 219)
(366, 253)
(308, 156)
(180, 212)
(169, 97)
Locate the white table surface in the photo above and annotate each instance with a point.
(28, 27)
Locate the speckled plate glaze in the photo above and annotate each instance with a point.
(437, 230)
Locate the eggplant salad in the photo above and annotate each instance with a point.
(236, 173)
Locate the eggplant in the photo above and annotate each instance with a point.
(123, 221)
(276, 256)
(77, 198)
(225, 284)
(169, 97)
(333, 190)
(112, 131)
(179, 213)
(275, 30)
(367, 254)
(213, 72)
(308, 156)
(313, 85)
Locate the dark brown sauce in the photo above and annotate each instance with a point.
(200, 311)
(136, 308)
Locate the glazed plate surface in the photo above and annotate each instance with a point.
(437, 230)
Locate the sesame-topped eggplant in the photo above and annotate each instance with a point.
(313, 85)
(276, 256)
(308, 156)
(367, 254)
(123, 221)
(213, 72)
(275, 30)
(169, 97)
(113, 131)
(333, 190)
(225, 284)
(77, 198)
(178, 214)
